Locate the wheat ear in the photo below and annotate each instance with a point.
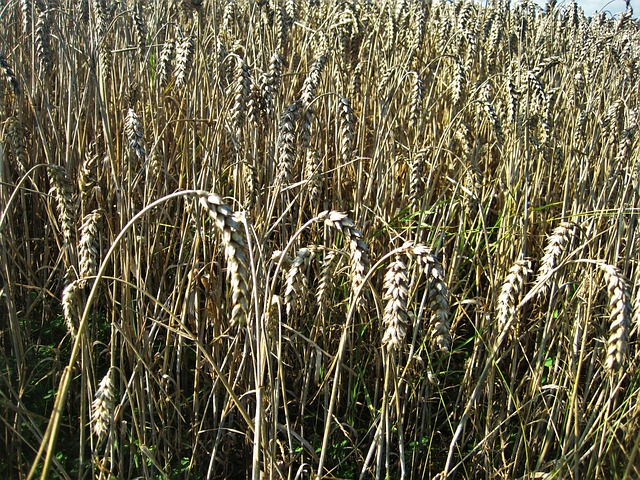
(359, 249)
(62, 190)
(557, 245)
(9, 76)
(235, 256)
(102, 406)
(87, 247)
(396, 317)
(510, 292)
(438, 296)
(620, 316)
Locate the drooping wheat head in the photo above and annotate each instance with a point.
(620, 317)
(558, 244)
(438, 296)
(88, 246)
(359, 249)
(396, 318)
(135, 133)
(102, 406)
(235, 255)
(62, 190)
(510, 292)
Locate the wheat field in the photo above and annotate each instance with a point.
(318, 239)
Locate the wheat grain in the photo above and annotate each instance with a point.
(270, 83)
(15, 132)
(286, 144)
(347, 121)
(417, 98)
(256, 108)
(490, 112)
(25, 10)
(612, 124)
(311, 83)
(326, 280)
(458, 81)
(70, 306)
(140, 29)
(164, 63)
(104, 53)
(240, 90)
(87, 175)
(416, 179)
(279, 28)
(43, 39)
